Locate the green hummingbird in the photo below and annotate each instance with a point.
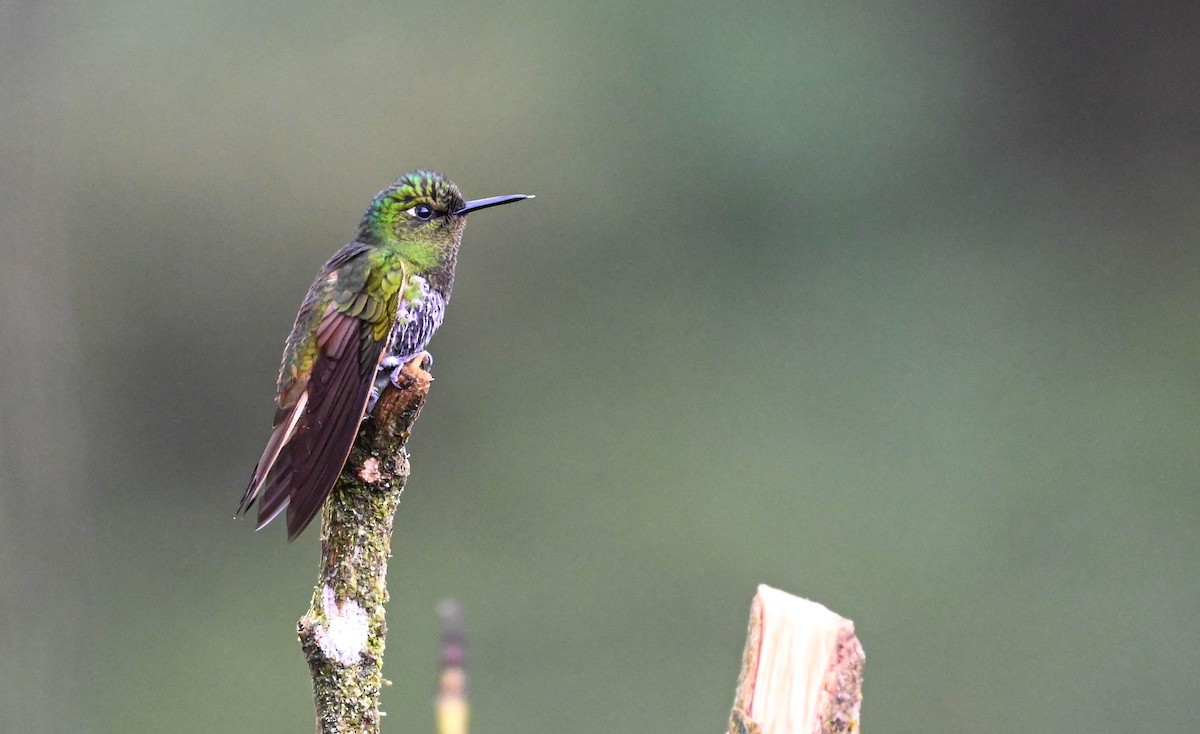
(372, 308)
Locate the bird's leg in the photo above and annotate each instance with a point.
(421, 362)
(389, 368)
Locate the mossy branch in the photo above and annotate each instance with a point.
(343, 632)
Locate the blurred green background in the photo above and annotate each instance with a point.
(893, 306)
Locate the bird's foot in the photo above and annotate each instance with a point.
(392, 370)
(389, 370)
(418, 367)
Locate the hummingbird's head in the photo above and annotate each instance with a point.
(422, 208)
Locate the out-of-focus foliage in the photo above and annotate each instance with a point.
(891, 305)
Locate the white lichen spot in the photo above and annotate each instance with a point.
(370, 472)
(345, 639)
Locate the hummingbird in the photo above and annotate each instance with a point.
(373, 307)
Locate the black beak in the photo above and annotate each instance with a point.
(478, 204)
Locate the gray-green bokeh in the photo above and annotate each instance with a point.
(891, 305)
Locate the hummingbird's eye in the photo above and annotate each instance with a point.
(424, 212)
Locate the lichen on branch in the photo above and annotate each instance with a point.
(344, 631)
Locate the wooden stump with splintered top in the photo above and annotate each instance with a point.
(452, 705)
(801, 669)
